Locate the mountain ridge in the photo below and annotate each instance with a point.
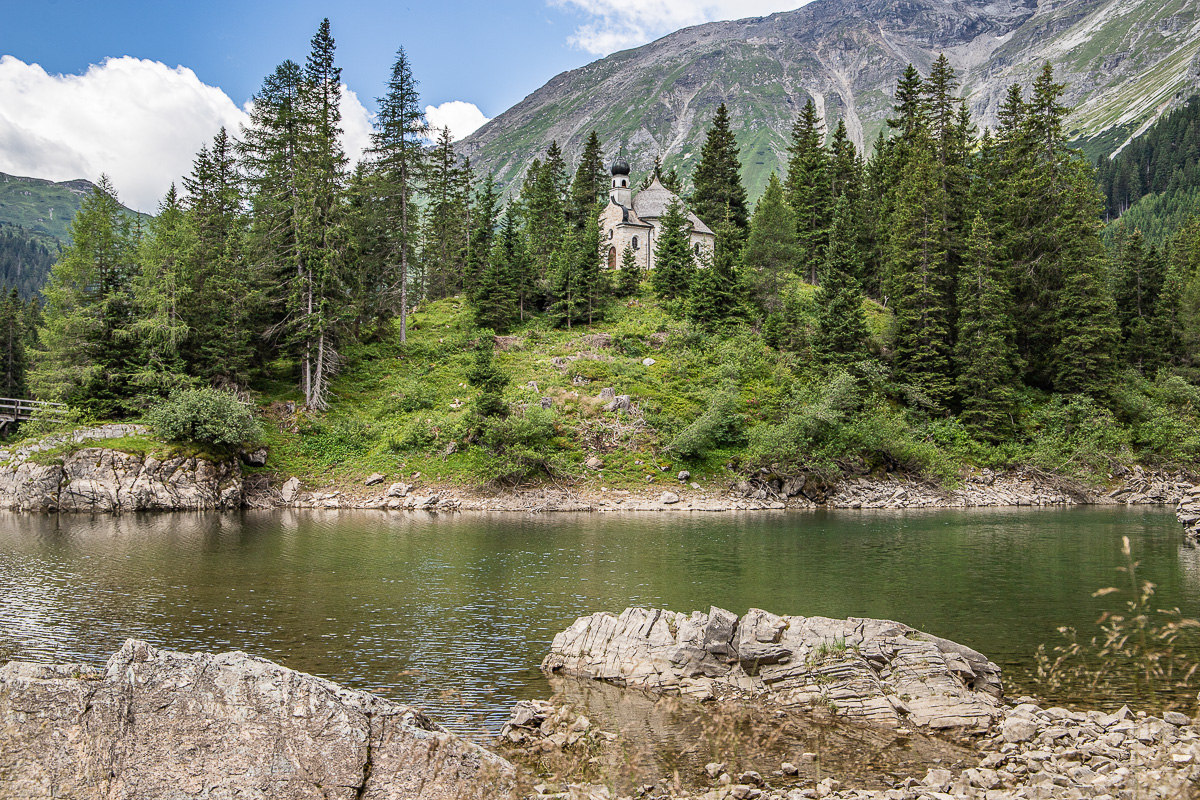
(1125, 62)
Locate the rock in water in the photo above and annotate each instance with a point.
(1188, 513)
(871, 670)
(163, 724)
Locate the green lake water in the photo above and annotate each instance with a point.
(455, 612)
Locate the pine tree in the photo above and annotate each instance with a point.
(841, 329)
(83, 360)
(494, 300)
(161, 291)
(919, 280)
(567, 289)
(314, 313)
(718, 293)
(486, 376)
(771, 250)
(14, 359)
(809, 190)
(718, 180)
(595, 283)
(543, 205)
(1137, 283)
(397, 147)
(910, 106)
(988, 368)
(674, 260)
(485, 212)
(590, 187)
(446, 231)
(629, 277)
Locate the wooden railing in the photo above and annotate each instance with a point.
(15, 410)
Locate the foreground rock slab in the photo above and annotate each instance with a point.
(172, 725)
(875, 671)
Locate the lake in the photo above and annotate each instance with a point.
(455, 612)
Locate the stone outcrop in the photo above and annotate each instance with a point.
(874, 671)
(163, 724)
(1188, 513)
(100, 479)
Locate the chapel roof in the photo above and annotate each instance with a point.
(652, 202)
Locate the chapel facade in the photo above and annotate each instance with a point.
(634, 221)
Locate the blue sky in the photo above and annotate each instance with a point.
(134, 88)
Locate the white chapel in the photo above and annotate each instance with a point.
(634, 221)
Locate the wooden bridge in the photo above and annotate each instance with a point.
(14, 410)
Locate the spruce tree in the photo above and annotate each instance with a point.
(674, 261)
(494, 300)
(544, 209)
(399, 161)
(629, 277)
(84, 360)
(808, 189)
(1137, 284)
(920, 282)
(595, 283)
(589, 189)
(988, 367)
(14, 358)
(161, 293)
(771, 250)
(841, 329)
(446, 229)
(718, 179)
(718, 293)
(485, 212)
(567, 287)
(486, 376)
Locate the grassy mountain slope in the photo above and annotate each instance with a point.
(35, 219)
(1125, 61)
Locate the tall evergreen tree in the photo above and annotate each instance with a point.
(986, 354)
(494, 300)
(14, 358)
(809, 189)
(718, 179)
(841, 329)
(446, 229)
(485, 213)
(771, 251)
(718, 293)
(629, 277)
(674, 260)
(84, 361)
(161, 291)
(397, 147)
(590, 187)
(1137, 283)
(919, 280)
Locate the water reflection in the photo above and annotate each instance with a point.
(413, 606)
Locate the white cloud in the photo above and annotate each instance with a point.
(460, 117)
(618, 24)
(139, 121)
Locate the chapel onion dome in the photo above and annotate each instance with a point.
(620, 167)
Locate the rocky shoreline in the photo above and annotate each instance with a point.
(76, 472)
(984, 489)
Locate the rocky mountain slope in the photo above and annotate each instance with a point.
(43, 208)
(1125, 62)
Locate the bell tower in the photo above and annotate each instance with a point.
(622, 192)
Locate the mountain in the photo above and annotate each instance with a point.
(44, 208)
(1125, 62)
(35, 222)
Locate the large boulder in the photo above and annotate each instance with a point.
(867, 669)
(100, 479)
(173, 725)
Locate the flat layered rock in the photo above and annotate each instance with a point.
(155, 723)
(871, 670)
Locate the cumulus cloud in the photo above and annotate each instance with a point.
(460, 117)
(618, 24)
(139, 121)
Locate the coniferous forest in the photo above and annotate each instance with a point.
(951, 299)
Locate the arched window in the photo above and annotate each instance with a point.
(635, 247)
(610, 233)
(622, 183)
(612, 257)
(697, 248)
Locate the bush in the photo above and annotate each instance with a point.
(720, 425)
(337, 441)
(413, 395)
(204, 416)
(523, 446)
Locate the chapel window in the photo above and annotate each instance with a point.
(612, 258)
(635, 245)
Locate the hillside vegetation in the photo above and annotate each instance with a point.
(947, 304)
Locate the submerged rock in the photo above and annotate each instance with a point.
(865, 669)
(163, 724)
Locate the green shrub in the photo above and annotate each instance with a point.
(416, 434)
(338, 440)
(523, 446)
(205, 416)
(413, 395)
(1076, 436)
(721, 425)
